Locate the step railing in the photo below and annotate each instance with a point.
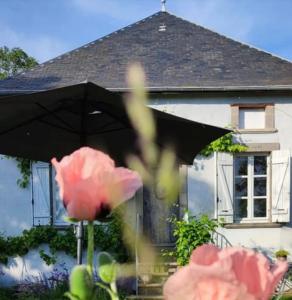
(138, 220)
(220, 240)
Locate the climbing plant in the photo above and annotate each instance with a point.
(24, 167)
(223, 144)
(107, 238)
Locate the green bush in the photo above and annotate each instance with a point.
(107, 238)
(6, 294)
(282, 253)
(190, 234)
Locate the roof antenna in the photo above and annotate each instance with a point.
(163, 7)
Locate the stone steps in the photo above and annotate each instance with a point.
(150, 285)
(145, 297)
(150, 288)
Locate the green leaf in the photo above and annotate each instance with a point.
(70, 296)
(81, 285)
(107, 268)
(70, 220)
(223, 144)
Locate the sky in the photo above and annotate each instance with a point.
(48, 28)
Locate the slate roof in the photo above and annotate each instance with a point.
(176, 55)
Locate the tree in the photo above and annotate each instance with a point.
(13, 61)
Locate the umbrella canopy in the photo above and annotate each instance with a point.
(56, 122)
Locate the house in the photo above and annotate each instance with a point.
(197, 74)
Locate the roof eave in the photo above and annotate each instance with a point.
(175, 89)
(210, 88)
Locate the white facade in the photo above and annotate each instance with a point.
(205, 186)
(23, 208)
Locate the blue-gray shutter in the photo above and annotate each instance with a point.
(225, 187)
(281, 186)
(41, 193)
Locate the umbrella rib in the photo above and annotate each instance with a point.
(107, 131)
(107, 125)
(55, 116)
(20, 125)
(24, 123)
(57, 126)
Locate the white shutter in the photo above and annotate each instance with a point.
(225, 187)
(41, 193)
(281, 186)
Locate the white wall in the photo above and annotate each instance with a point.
(15, 202)
(16, 215)
(200, 186)
(267, 240)
(201, 180)
(216, 111)
(16, 207)
(32, 267)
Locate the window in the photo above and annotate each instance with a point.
(253, 117)
(251, 187)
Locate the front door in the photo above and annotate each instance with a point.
(156, 216)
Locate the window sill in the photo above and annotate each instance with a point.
(252, 225)
(264, 130)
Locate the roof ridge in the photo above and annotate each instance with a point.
(233, 39)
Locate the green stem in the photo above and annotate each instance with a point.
(114, 295)
(114, 289)
(90, 247)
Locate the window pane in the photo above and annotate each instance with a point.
(260, 165)
(260, 186)
(251, 118)
(240, 187)
(260, 207)
(242, 208)
(241, 165)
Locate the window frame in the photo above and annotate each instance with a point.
(250, 189)
(269, 117)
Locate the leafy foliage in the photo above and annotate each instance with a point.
(282, 253)
(106, 237)
(24, 167)
(190, 234)
(13, 61)
(223, 144)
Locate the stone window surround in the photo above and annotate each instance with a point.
(269, 117)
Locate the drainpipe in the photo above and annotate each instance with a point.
(215, 186)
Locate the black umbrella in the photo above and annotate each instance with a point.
(56, 122)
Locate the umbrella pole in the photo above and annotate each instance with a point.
(79, 236)
(83, 142)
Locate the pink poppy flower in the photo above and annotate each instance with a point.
(228, 274)
(90, 184)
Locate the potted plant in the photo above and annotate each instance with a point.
(282, 254)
